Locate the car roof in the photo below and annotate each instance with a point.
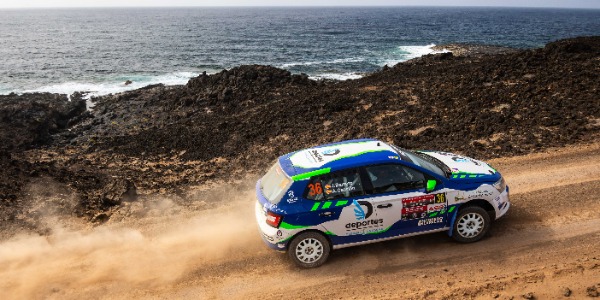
(335, 156)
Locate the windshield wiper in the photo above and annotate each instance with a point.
(437, 162)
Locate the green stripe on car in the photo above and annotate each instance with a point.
(310, 174)
(285, 225)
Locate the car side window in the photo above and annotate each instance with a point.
(335, 185)
(394, 177)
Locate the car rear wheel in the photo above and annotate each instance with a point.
(471, 224)
(309, 249)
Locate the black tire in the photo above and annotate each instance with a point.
(471, 224)
(309, 249)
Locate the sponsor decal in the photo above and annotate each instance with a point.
(477, 163)
(418, 207)
(359, 212)
(430, 221)
(424, 200)
(443, 153)
(443, 211)
(436, 207)
(416, 212)
(499, 202)
(362, 218)
(480, 194)
(393, 157)
(274, 208)
(316, 155)
(460, 196)
(291, 197)
(417, 201)
(269, 238)
(279, 233)
(462, 159)
(364, 224)
(331, 152)
(459, 159)
(414, 209)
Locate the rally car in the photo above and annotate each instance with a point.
(363, 191)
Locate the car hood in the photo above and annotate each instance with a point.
(464, 167)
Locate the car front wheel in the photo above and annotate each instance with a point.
(471, 224)
(309, 249)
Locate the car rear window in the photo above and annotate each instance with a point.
(274, 183)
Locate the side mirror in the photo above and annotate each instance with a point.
(431, 185)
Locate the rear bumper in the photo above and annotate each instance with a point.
(269, 235)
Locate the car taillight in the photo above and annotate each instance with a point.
(273, 219)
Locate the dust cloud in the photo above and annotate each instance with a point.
(138, 254)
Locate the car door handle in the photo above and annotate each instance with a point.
(326, 214)
(384, 205)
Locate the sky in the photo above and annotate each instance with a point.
(127, 3)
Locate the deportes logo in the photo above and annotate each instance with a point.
(359, 212)
(362, 217)
(331, 152)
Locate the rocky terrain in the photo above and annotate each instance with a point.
(171, 140)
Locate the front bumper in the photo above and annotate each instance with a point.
(502, 203)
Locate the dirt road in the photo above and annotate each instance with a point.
(548, 245)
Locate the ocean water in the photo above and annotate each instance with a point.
(97, 50)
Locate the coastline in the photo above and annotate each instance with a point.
(172, 140)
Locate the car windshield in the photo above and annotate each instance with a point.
(274, 183)
(424, 161)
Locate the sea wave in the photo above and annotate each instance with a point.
(113, 85)
(404, 53)
(337, 76)
(329, 62)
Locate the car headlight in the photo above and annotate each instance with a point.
(500, 185)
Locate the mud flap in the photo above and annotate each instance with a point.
(452, 220)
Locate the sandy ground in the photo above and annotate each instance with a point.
(548, 243)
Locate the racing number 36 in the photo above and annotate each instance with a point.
(440, 198)
(315, 189)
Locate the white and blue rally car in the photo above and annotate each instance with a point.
(363, 191)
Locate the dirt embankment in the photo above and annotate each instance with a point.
(177, 140)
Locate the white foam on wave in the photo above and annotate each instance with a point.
(114, 85)
(337, 76)
(404, 53)
(390, 58)
(312, 63)
(5, 90)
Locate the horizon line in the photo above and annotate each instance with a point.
(297, 6)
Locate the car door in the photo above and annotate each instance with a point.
(400, 199)
(340, 204)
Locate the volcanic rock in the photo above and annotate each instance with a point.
(159, 139)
